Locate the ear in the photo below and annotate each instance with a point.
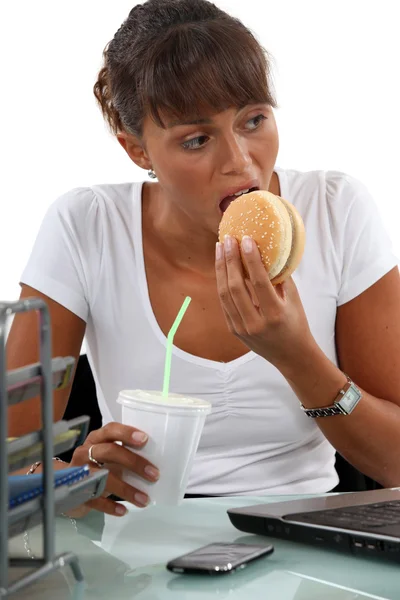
(134, 149)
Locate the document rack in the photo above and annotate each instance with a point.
(17, 386)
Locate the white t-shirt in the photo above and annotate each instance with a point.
(88, 257)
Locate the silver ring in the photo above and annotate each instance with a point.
(93, 460)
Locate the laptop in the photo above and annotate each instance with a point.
(364, 523)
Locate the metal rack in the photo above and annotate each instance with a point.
(17, 386)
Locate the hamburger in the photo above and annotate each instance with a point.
(275, 226)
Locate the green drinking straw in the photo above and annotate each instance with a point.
(170, 340)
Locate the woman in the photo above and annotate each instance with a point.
(186, 90)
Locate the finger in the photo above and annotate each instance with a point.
(229, 322)
(101, 504)
(109, 507)
(228, 306)
(252, 293)
(115, 484)
(118, 487)
(116, 432)
(288, 289)
(112, 453)
(258, 275)
(237, 284)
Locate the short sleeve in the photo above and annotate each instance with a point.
(65, 258)
(362, 240)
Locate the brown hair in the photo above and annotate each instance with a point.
(184, 58)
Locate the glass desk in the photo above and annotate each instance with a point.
(125, 559)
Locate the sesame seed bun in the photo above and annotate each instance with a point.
(275, 226)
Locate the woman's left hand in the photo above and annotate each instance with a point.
(269, 319)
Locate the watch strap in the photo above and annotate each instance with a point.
(336, 408)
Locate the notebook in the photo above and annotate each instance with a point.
(22, 488)
(364, 523)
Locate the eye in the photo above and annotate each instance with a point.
(255, 122)
(195, 143)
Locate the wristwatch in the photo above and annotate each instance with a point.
(344, 403)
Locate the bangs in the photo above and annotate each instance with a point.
(204, 68)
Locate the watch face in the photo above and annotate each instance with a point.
(350, 398)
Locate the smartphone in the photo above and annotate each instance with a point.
(219, 558)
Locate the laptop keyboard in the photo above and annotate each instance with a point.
(362, 517)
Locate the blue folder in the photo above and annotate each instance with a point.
(22, 488)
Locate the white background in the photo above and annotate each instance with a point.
(337, 65)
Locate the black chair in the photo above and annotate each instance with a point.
(350, 479)
(83, 401)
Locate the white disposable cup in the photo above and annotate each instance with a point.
(174, 425)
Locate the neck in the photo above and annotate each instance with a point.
(178, 239)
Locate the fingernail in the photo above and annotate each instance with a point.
(219, 251)
(141, 499)
(247, 244)
(139, 437)
(228, 243)
(152, 472)
(120, 510)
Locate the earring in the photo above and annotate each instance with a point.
(152, 174)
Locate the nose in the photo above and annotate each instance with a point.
(234, 155)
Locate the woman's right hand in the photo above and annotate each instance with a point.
(115, 458)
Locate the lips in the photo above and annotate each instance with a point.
(233, 195)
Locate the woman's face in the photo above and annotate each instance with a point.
(201, 165)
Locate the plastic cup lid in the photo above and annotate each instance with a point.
(130, 397)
